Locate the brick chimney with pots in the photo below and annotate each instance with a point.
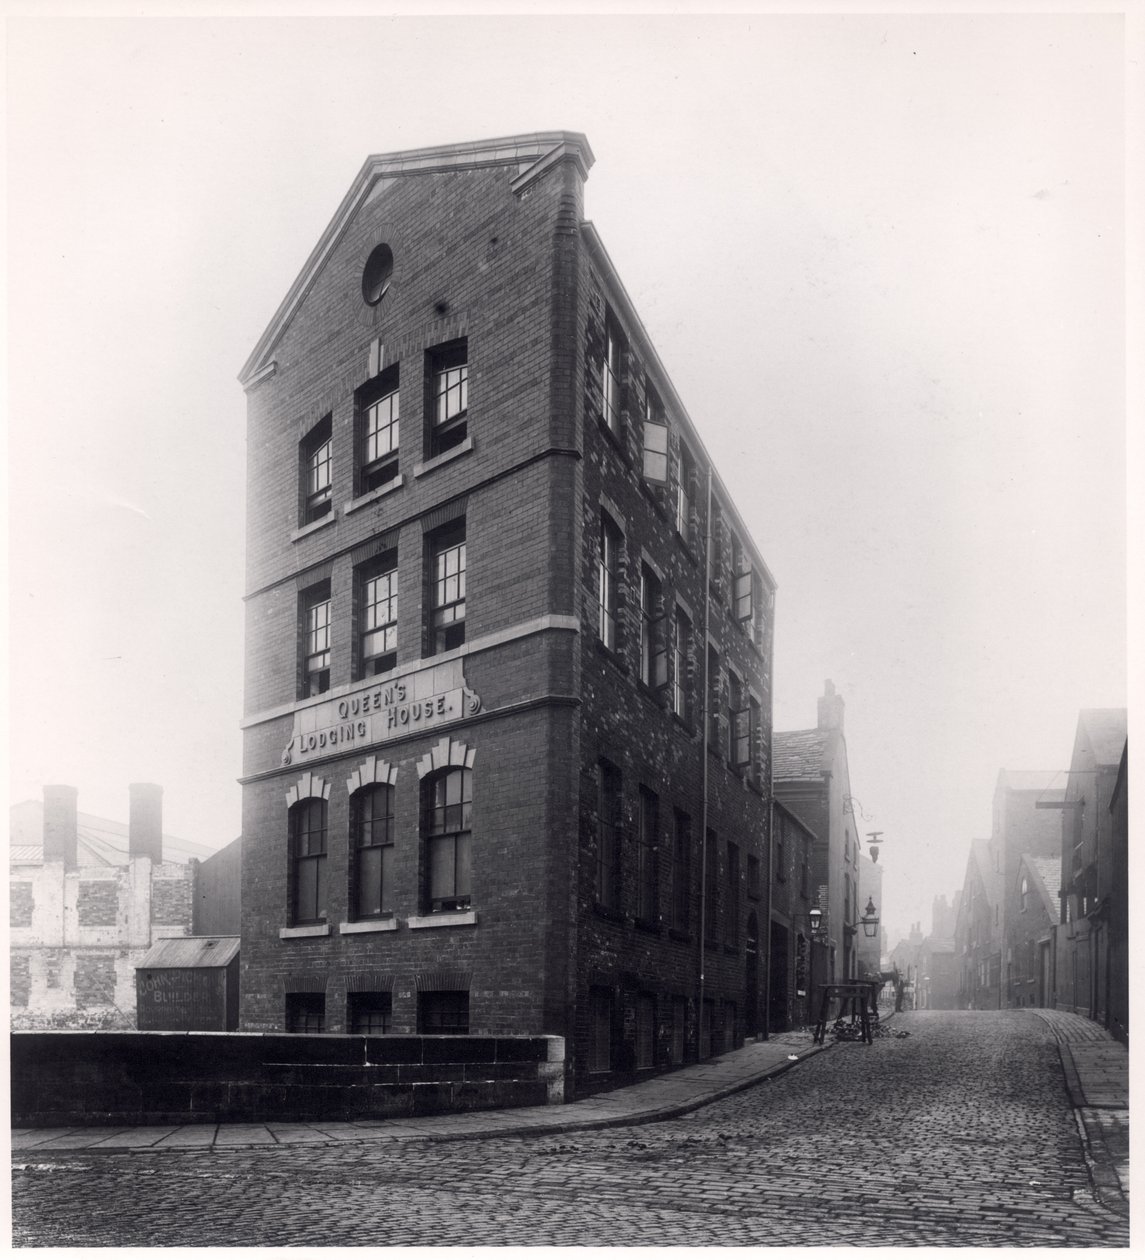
(145, 823)
(830, 708)
(60, 823)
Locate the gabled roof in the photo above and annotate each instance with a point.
(532, 154)
(800, 754)
(1047, 879)
(1105, 730)
(99, 841)
(980, 856)
(190, 951)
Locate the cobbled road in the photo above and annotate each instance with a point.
(959, 1134)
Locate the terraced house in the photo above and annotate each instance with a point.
(508, 698)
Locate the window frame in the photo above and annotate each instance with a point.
(681, 654)
(308, 847)
(316, 472)
(381, 839)
(382, 466)
(609, 546)
(455, 840)
(448, 376)
(367, 663)
(612, 377)
(655, 444)
(364, 1006)
(295, 1010)
(685, 492)
(315, 615)
(739, 733)
(446, 612)
(609, 832)
(427, 1017)
(653, 651)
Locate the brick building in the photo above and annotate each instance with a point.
(1093, 844)
(978, 929)
(504, 719)
(87, 898)
(813, 781)
(792, 976)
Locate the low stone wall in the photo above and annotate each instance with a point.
(82, 1078)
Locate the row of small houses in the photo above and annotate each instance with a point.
(1042, 918)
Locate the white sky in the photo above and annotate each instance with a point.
(882, 258)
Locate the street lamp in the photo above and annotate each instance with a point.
(816, 917)
(870, 919)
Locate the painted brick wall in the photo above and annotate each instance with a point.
(21, 902)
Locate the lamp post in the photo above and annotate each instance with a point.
(870, 919)
(815, 917)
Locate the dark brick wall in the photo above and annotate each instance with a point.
(97, 902)
(187, 1078)
(95, 980)
(21, 903)
(171, 900)
(632, 726)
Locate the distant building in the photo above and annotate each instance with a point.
(978, 929)
(792, 977)
(813, 782)
(1030, 939)
(87, 899)
(1024, 828)
(1092, 956)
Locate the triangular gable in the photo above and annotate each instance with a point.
(533, 154)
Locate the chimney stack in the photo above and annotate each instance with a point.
(830, 708)
(60, 823)
(145, 823)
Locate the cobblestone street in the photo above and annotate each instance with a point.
(959, 1134)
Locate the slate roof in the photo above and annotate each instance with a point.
(1049, 874)
(799, 754)
(99, 841)
(191, 951)
(1106, 731)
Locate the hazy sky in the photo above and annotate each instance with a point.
(882, 258)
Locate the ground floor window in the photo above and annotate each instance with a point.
(600, 1030)
(443, 1011)
(369, 1013)
(679, 1028)
(645, 1031)
(306, 1012)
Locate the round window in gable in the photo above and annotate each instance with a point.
(376, 274)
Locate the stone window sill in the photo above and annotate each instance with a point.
(367, 925)
(304, 531)
(451, 918)
(372, 496)
(454, 452)
(309, 929)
